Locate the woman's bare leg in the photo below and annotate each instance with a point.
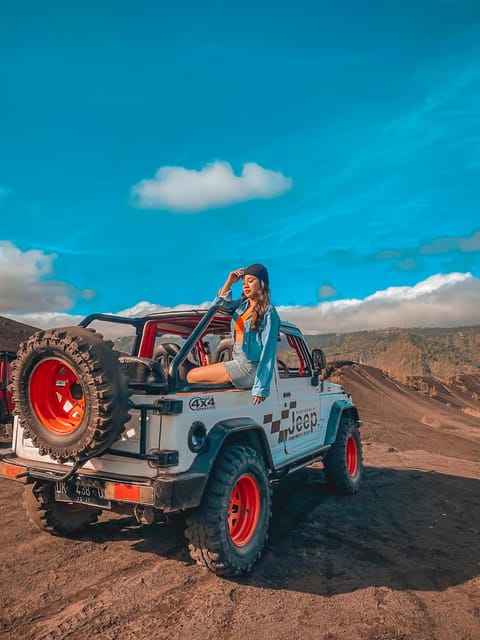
(211, 373)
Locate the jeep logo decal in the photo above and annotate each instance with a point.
(202, 402)
(304, 419)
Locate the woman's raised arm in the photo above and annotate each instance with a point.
(233, 277)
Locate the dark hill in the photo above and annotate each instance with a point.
(441, 353)
(12, 333)
(422, 414)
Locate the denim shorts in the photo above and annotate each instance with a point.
(241, 371)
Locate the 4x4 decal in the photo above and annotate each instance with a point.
(197, 403)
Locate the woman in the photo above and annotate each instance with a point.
(255, 325)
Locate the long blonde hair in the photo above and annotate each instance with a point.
(259, 309)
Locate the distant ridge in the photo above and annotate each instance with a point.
(442, 353)
(422, 413)
(438, 352)
(12, 333)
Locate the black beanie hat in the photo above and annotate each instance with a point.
(257, 270)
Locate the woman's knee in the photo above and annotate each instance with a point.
(192, 375)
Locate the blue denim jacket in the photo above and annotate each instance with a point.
(258, 345)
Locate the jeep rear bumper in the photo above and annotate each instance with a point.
(165, 493)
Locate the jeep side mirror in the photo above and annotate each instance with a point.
(319, 363)
(319, 360)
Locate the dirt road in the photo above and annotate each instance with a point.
(398, 561)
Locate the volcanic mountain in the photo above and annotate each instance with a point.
(12, 333)
(442, 353)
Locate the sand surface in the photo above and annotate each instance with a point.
(398, 561)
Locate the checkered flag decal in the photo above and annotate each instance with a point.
(276, 425)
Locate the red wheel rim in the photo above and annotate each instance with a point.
(352, 456)
(243, 510)
(56, 396)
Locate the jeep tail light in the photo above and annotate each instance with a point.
(118, 491)
(9, 470)
(130, 492)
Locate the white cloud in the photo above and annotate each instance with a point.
(24, 283)
(439, 301)
(144, 308)
(188, 190)
(50, 320)
(45, 320)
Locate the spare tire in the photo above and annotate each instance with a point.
(70, 392)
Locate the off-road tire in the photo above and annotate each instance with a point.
(344, 461)
(54, 371)
(57, 518)
(212, 527)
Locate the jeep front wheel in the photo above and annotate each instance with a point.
(57, 518)
(343, 463)
(228, 531)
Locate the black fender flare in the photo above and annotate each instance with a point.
(219, 434)
(339, 409)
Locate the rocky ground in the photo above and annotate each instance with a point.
(398, 561)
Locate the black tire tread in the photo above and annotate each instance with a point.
(53, 517)
(205, 530)
(335, 462)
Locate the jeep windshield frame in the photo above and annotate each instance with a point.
(191, 324)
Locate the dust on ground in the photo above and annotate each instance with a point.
(398, 561)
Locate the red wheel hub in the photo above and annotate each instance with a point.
(243, 510)
(56, 396)
(351, 452)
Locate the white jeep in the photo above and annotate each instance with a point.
(115, 426)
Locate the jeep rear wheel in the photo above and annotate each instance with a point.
(228, 531)
(343, 463)
(70, 393)
(57, 518)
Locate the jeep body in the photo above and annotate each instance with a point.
(177, 434)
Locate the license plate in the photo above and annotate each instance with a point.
(84, 491)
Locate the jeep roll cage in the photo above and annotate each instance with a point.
(192, 325)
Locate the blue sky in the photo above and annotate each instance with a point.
(356, 126)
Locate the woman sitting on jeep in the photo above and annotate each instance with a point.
(255, 325)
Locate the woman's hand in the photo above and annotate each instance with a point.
(235, 276)
(258, 399)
